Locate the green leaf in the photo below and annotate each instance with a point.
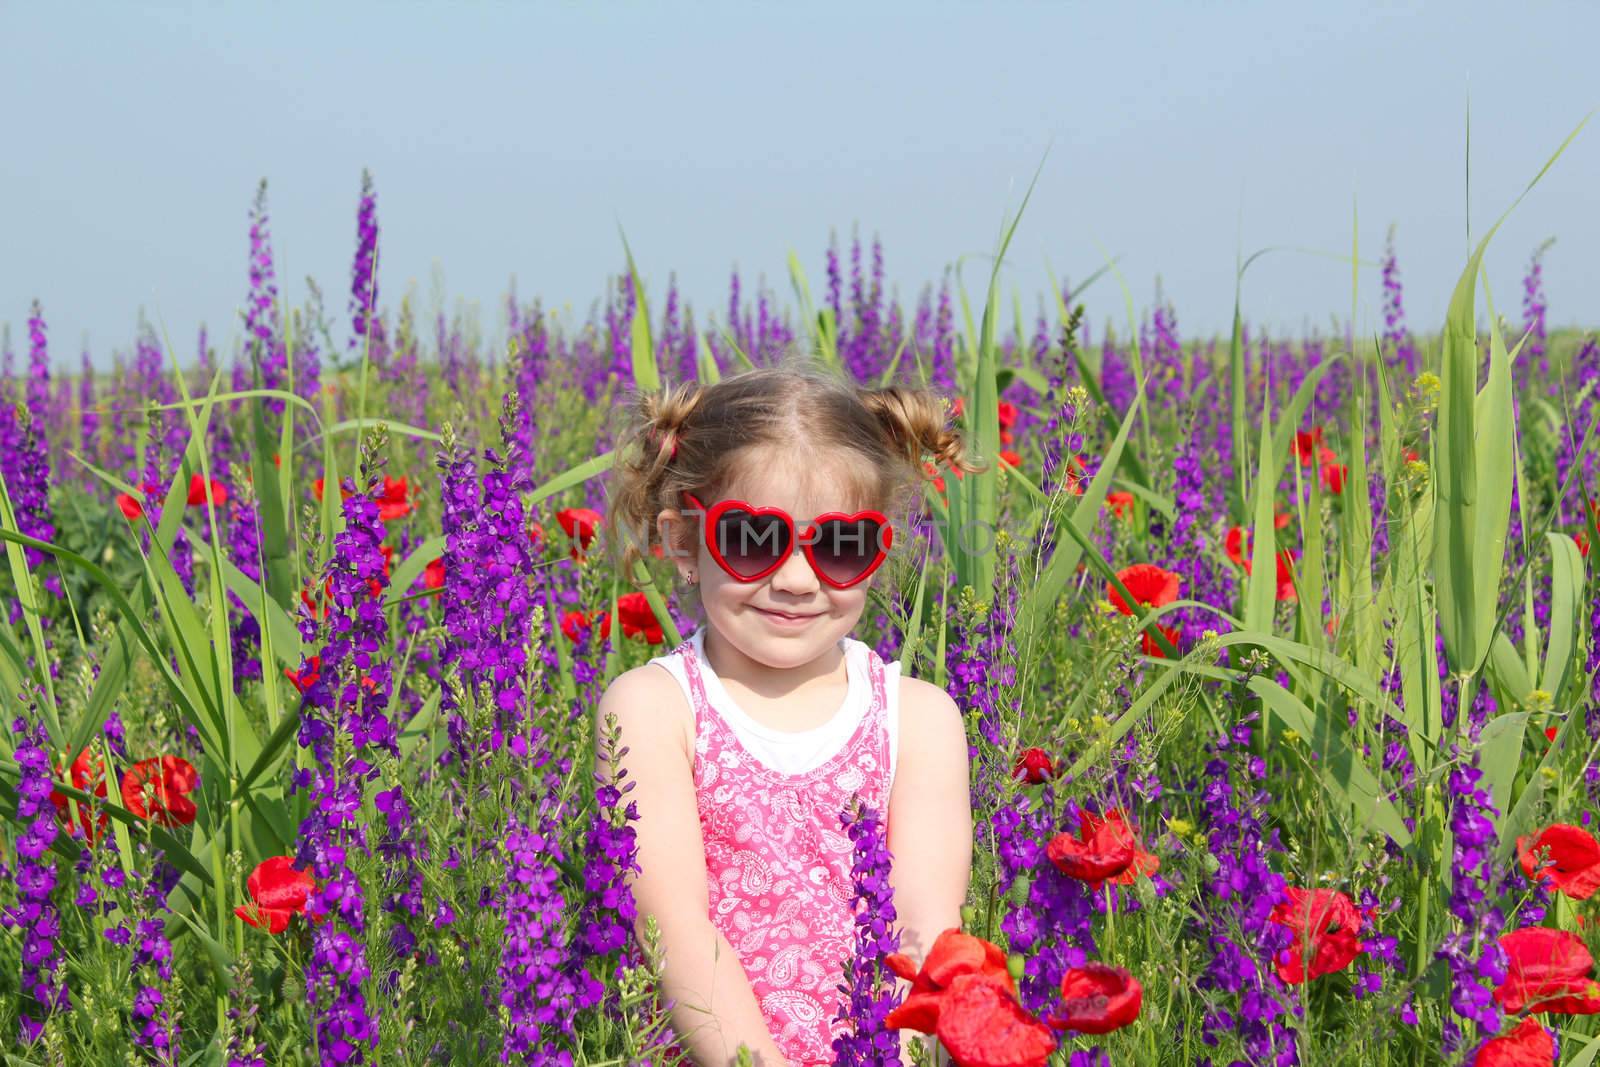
(349, 426)
(1500, 752)
(1566, 612)
(646, 372)
(566, 480)
(407, 573)
(287, 645)
(1039, 607)
(1472, 458)
(1343, 774)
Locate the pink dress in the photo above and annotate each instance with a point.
(778, 863)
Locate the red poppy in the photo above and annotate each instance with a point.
(316, 490)
(953, 954)
(1548, 970)
(638, 618)
(197, 492)
(86, 768)
(1529, 1045)
(1075, 475)
(1411, 455)
(1285, 575)
(1097, 999)
(1582, 540)
(1113, 827)
(1151, 647)
(394, 502)
(131, 509)
(388, 557)
(159, 789)
(1280, 519)
(1333, 476)
(932, 472)
(1091, 857)
(1327, 922)
(1010, 458)
(957, 406)
(316, 604)
(1150, 585)
(1572, 864)
(1306, 443)
(433, 574)
(982, 1025)
(1033, 765)
(1008, 414)
(1106, 849)
(1121, 502)
(277, 892)
(582, 524)
(1237, 543)
(307, 676)
(574, 619)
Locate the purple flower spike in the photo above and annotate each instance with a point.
(35, 916)
(364, 272)
(871, 996)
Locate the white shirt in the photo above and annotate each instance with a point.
(795, 752)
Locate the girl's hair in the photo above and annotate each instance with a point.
(697, 438)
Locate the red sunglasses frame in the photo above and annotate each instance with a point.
(805, 539)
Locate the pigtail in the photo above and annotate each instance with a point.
(649, 449)
(914, 424)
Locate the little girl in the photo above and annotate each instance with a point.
(771, 493)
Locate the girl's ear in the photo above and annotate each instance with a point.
(672, 526)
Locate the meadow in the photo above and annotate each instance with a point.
(1279, 672)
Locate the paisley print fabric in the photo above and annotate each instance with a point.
(778, 863)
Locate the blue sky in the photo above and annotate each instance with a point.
(515, 139)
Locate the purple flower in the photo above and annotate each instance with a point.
(536, 986)
(1399, 348)
(1251, 1002)
(1472, 950)
(364, 271)
(870, 996)
(1533, 314)
(35, 916)
(263, 331)
(345, 724)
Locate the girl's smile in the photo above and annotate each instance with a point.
(785, 620)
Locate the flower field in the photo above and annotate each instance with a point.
(1278, 657)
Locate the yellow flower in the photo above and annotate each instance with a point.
(1291, 736)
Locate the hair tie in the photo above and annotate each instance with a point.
(665, 438)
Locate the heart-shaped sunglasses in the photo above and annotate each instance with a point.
(750, 543)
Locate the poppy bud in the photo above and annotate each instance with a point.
(1020, 889)
(1014, 965)
(969, 915)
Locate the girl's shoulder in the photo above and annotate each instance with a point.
(651, 689)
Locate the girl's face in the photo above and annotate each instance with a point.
(745, 613)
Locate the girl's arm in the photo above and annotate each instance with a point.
(715, 1008)
(930, 823)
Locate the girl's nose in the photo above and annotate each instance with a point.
(796, 575)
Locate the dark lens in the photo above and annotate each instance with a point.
(751, 544)
(844, 549)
